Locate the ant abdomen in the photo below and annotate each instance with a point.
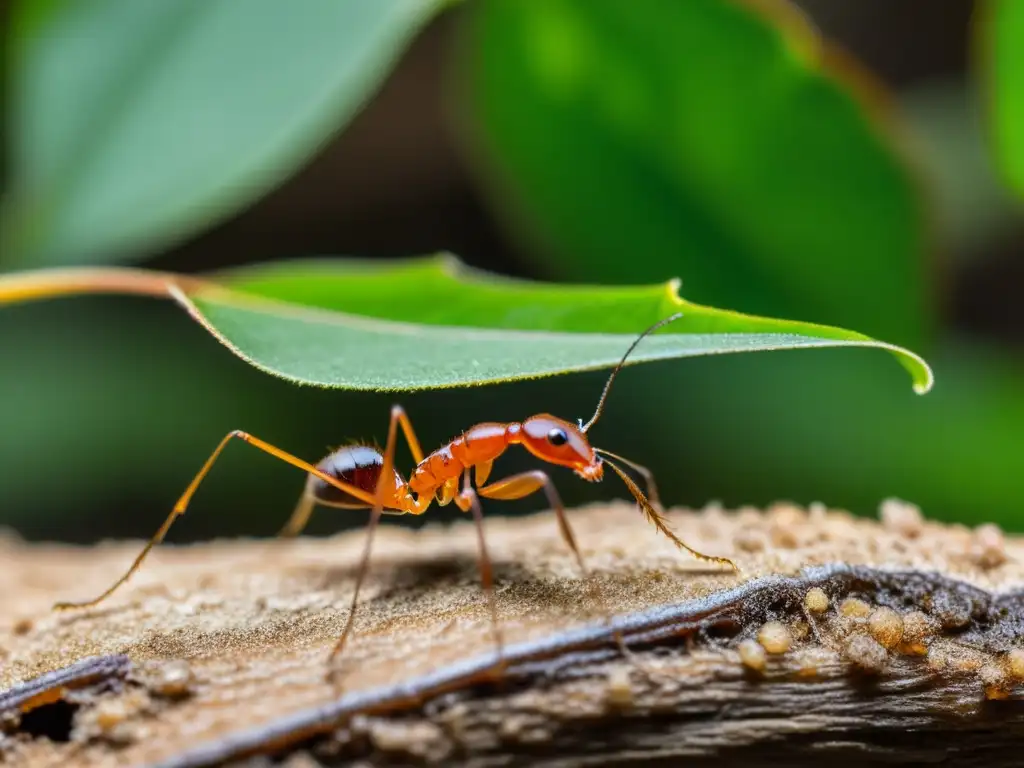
(356, 465)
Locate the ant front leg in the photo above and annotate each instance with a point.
(519, 486)
(186, 497)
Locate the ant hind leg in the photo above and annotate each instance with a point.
(186, 497)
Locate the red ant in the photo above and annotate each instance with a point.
(360, 477)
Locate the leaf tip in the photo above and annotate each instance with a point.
(923, 386)
(921, 373)
(448, 263)
(674, 289)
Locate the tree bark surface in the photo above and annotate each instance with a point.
(216, 653)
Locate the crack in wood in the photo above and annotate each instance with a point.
(983, 621)
(95, 672)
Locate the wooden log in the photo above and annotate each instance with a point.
(853, 641)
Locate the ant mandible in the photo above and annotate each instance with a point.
(360, 477)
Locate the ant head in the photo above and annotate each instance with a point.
(556, 441)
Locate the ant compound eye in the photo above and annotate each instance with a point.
(557, 437)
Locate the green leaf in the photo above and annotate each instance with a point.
(435, 325)
(429, 323)
(1001, 38)
(135, 123)
(705, 135)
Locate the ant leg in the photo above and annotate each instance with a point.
(182, 504)
(648, 476)
(377, 501)
(518, 486)
(469, 501)
(364, 566)
(300, 517)
(398, 414)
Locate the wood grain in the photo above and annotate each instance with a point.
(227, 643)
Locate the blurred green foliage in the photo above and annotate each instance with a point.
(1002, 54)
(745, 165)
(706, 138)
(619, 142)
(134, 122)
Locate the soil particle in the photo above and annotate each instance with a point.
(775, 637)
(816, 601)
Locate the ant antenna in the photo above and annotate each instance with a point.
(615, 372)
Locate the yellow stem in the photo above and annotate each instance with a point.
(51, 283)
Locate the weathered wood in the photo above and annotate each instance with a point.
(253, 621)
